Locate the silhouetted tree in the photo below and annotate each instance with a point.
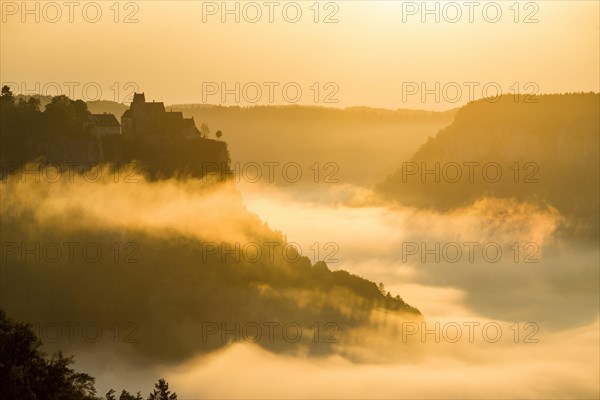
(6, 96)
(204, 130)
(26, 374)
(219, 134)
(65, 116)
(162, 392)
(32, 104)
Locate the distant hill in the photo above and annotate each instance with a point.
(547, 151)
(365, 143)
(102, 106)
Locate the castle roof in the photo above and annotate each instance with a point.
(153, 108)
(187, 122)
(104, 120)
(175, 115)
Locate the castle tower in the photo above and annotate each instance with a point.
(136, 111)
(139, 98)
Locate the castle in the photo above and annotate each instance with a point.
(144, 118)
(102, 124)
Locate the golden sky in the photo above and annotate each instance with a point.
(179, 51)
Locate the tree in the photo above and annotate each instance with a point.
(204, 130)
(381, 288)
(26, 373)
(33, 104)
(219, 134)
(162, 392)
(6, 95)
(65, 116)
